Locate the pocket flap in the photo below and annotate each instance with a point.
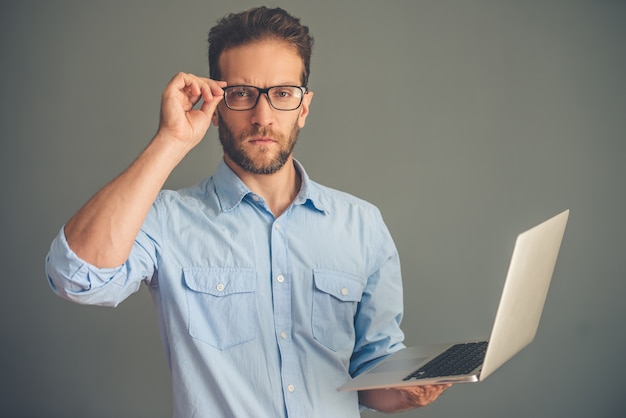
(343, 286)
(218, 281)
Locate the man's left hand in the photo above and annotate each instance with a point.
(401, 398)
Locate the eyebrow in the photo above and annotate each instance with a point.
(247, 82)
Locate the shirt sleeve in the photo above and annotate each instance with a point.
(378, 318)
(79, 281)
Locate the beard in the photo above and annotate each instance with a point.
(234, 147)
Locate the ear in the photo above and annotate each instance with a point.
(215, 118)
(304, 109)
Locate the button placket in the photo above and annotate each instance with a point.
(281, 290)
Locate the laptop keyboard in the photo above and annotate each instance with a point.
(457, 360)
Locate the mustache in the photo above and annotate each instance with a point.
(260, 132)
(252, 132)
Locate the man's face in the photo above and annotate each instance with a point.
(261, 140)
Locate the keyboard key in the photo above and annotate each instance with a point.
(457, 360)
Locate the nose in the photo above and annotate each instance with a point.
(263, 112)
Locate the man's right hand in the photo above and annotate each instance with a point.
(179, 119)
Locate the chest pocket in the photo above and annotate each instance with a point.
(222, 305)
(335, 300)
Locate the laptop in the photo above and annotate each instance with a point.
(515, 325)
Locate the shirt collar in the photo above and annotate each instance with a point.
(231, 190)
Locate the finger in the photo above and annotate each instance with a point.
(185, 82)
(191, 89)
(182, 89)
(212, 94)
(424, 395)
(211, 90)
(190, 85)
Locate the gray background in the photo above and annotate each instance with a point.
(464, 121)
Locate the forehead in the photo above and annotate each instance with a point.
(263, 63)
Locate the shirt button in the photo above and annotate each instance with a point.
(280, 278)
(255, 198)
(344, 291)
(291, 388)
(283, 335)
(220, 287)
(277, 226)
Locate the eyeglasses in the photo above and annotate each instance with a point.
(280, 97)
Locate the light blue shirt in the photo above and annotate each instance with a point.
(259, 316)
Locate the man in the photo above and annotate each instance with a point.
(271, 289)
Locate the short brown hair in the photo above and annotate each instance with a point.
(256, 24)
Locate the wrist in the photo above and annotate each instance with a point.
(168, 149)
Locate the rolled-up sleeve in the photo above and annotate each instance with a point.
(74, 279)
(377, 323)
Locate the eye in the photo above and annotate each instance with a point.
(283, 93)
(239, 93)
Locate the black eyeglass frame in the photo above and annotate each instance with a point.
(265, 91)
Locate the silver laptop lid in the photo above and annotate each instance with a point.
(525, 291)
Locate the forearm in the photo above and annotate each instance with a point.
(102, 232)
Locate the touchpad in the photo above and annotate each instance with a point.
(401, 364)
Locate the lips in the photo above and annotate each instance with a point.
(262, 141)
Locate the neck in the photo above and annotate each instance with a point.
(278, 189)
